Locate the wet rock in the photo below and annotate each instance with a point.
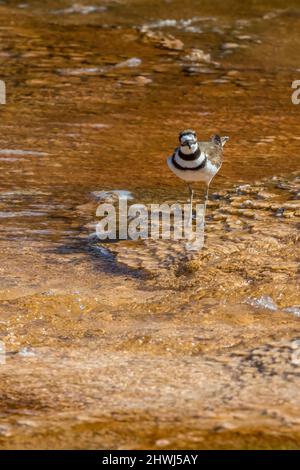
(132, 62)
(219, 217)
(167, 23)
(18, 152)
(220, 80)
(80, 9)
(279, 212)
(248, 38)
(224, 426)
(295, 344)
(217, 196)
(161, 68)
(291, 205)
(229, 46)
(197, 55)
(265, 302)
(244, 37)
(261, 205)
(5, 430)
(26, 352)
(273, 14)
(195, 70)
(159, 39)
(187, 25)
(140, 80)
(265, 195)
(233, 73)
(162, 443)
(82, 71)
(193, 29)
(112, 196)
(250, 214)
(295, 311)
(244, 189)
(27, 423)
(242, 23)
(217, 30)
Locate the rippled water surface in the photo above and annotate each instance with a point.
(131, 344)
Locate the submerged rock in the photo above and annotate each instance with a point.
(265, 301)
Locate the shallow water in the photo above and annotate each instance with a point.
(133, 344)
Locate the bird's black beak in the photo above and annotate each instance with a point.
(187, 143)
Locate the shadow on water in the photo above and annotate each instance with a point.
(103, 260)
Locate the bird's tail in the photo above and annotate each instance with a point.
(218, 140)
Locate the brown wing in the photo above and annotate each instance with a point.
(213, 152)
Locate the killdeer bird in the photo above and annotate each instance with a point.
(195, 161)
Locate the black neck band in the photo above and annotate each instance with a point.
(184, 168)
(190, 156)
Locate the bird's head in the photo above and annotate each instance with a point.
(217, 140)
(188, 141)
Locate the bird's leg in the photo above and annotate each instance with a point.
(205, 202)
(191, 201)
